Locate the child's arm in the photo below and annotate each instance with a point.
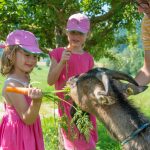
(28, 113)
(56, 68)
(143, 76)
(33, 111)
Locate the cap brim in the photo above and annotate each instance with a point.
(77, 29)
(32, 50)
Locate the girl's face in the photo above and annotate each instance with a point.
(76, 39)
(25, 62)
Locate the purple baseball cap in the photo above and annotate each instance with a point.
(78, 22)
(25, 39)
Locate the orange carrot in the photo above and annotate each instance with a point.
(19, 90)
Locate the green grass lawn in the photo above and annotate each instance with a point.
(49, 124)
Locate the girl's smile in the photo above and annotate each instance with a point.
(27, 61)
(76, 39)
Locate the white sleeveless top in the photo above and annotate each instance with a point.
(25, 84)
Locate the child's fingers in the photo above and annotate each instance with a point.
(65, 56)
(35, 93)
(67, 53)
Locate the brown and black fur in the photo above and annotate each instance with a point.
(112, 107)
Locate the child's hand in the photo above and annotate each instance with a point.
(35, 94)
(65, 56)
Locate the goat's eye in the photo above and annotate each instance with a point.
(73, 84)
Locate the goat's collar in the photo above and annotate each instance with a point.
(135, 133)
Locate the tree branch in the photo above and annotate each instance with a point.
(111, 12)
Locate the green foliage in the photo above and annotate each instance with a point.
(108, 17)
(132, 56)
(63, 122)
(129, 59)
(142, 102)
(47, 20)
(132, 60)
(82, 122)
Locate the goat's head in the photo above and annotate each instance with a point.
(94, 88)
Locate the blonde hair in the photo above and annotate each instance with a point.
(8, 59)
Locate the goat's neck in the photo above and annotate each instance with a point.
(118, 122)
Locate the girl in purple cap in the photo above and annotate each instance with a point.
(65, 63)
(20, 128)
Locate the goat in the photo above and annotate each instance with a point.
(102, 93)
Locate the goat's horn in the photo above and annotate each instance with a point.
(102, 76)
(121, 76)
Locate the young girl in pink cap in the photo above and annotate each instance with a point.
(20, 128)
(65, 63)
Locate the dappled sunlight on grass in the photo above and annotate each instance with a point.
(142, 101)
(105, 141)
(48, 109)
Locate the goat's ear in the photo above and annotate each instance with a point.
(101, 98)
(104, 79)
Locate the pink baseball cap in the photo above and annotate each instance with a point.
(78, 22)
(25, 39)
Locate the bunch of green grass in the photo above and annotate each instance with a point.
(105, 141)
(50, 132)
